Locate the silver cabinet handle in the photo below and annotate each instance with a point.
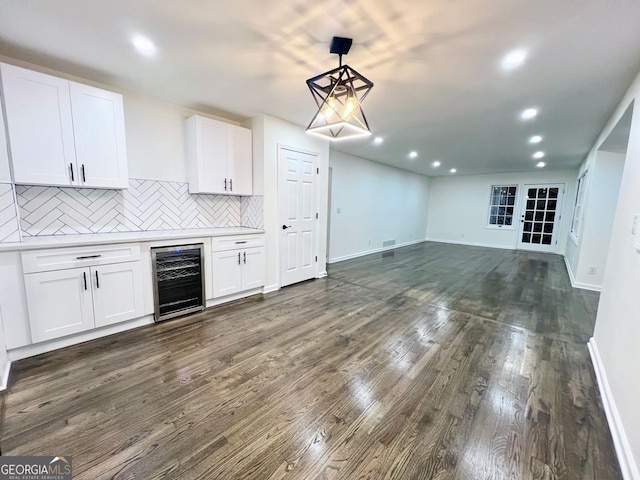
(97, 280)
(84, 257)
(238, 258)
(84, 275)
(245, 257)
(225, 184)
(231, 184)
(84, 180)
(72, 176)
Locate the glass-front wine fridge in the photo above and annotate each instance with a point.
(178, 280)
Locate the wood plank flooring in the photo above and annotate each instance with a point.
(430, 362)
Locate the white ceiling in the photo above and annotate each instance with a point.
(439, 88)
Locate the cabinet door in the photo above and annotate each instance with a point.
(253, 268)
(98, 125)
(5, 172)
(212, 156)
(117, 293)
(240, 160)
(59, 303)
(38, 109)
(227, 273)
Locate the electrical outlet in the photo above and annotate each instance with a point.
(634, 227)
(593, 270)
(338, 210)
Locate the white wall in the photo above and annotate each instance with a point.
(601, 198)
(376, 203)
(617, 331)
(459, 207)
(268, 134)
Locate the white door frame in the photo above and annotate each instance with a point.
(557, 220)
(279, 196)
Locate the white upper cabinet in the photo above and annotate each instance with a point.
(220, 157)
(62, 133)
(5, 171)
(98, 126)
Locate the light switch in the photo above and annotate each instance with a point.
(636, 232)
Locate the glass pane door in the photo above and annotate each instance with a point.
(540, 218)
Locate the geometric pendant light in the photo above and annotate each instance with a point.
(339, 94)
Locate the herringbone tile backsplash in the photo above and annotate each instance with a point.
(145, 205)
(9, 228)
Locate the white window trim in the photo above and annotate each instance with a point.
(578, 202)
(511, 227)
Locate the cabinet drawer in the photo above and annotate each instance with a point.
(219, 244)
(63, 258)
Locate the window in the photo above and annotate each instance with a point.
(577, 208)
(503, 201)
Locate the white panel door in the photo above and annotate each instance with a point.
(540, 217)
(297, 205)
(98, 125)
(212, 154)
(40, 126)
(59, 303)
(117, 293)
(227, 272)
(240, 160)
(253, 267)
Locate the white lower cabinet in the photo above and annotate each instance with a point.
(64, 302)
(117, 293)
(238, 264)
(60, 303)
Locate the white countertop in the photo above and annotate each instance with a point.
(54, 241)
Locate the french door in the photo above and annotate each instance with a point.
(540, 217)
(297, 205)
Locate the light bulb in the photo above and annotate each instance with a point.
(349, 107)
(329, 108)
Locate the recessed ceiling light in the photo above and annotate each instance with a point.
(535, 139)
(453, 170)
(540, 164)
(529, 113)
(514, 59)
(143, 45)
(538, 155)
(436, 163)
(378, 140)
(413, 154)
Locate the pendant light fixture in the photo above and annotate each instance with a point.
(338, 94)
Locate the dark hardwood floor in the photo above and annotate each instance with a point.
(432, 362)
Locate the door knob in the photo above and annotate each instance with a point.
(284, 227)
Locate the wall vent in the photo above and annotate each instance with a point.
(388, 243)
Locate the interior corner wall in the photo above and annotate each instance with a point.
(269, 134)
(459, 207)
(372, 203)
(617, 330)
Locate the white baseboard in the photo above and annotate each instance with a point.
(44, 347)
(372, 251)
(471, 244)
(4, 380)
(620, 441)
(212, 302)
(574, 284)
(270, 288)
